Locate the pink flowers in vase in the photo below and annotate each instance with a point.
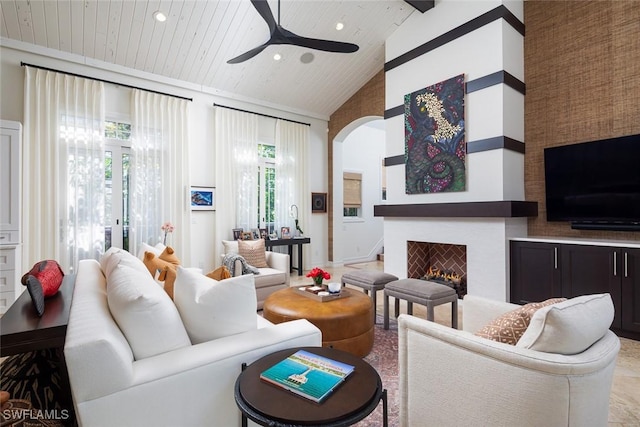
(167, 227)
(318, 275)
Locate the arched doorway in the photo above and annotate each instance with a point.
(358, 148)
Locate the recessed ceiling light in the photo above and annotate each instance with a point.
(339, 26)
(277, 57)
(159, 16)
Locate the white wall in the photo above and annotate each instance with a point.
(201, 129)
(493, 175)
(363, 152)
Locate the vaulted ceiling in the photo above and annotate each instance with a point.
(199, 37)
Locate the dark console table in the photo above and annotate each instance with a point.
(23, 331)
(269, 244)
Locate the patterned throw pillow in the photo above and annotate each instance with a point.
(253, 252)
(509, 327)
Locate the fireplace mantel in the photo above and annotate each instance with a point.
(498, 209)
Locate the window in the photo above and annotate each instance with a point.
(117, 161)
(266, 186)
(352, 193)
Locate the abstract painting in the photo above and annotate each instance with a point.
(434, 138)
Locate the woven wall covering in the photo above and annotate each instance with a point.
(582, 70)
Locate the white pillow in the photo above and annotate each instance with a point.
(213, 309)
(144, 312)
(569, 327)
(230, 246)
(156, 250)
(115, 256)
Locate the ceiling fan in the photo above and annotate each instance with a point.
(280, 35)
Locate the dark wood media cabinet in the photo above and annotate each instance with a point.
(547, 268)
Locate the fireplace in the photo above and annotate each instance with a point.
(438, 262)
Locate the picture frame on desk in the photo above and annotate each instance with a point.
(247, 235)
(237, 233)
(273, 235)
(285, 233)
(264, 234)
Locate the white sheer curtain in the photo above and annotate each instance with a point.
(292, 177)
(63, 177)
(236, 139)
(159, 171)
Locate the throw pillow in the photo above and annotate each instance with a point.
(212, 309)
(510, 327)
(156, 266)
(569, 327)
(230, 246)
(220, 273)
(253, 251)
(169, 255)
(116, 256)
(144, 313)
(144, 247)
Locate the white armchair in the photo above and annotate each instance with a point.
(270, 279)
(451, 377)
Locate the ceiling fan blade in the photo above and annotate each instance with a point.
(248, 54)
(325, 45)
(265, 11)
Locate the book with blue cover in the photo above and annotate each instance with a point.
(308, 375)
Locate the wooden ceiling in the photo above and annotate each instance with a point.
(199, 36)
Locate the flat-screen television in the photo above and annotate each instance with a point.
(595, 185)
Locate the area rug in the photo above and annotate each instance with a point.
(384, 358)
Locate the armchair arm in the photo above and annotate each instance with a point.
(507, 385)
(279, 261)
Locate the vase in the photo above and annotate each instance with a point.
(318, 281)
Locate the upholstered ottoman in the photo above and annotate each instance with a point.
(421, 292)
(345, 322)
(369, 280)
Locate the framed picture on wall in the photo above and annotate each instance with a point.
(203, 199)
(318, 202)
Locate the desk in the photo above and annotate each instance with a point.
(269, 244)
(270, 405)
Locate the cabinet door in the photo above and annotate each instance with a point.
(592, 270)
(535, 274)
(631, 289)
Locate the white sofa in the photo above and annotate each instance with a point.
(188, 386)
(451, 377)
(270, 279)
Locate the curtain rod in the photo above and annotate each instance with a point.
(260, 114)
(103, 80)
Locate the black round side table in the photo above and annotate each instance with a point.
(270, 405)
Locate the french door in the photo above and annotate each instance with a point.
(117, 180)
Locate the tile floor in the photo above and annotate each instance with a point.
(624, 405)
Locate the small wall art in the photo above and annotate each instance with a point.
(434, 135)
(203, 199)
(318, 202)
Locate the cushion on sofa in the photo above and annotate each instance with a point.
(145, 247)
(219, 273)
(213, 309)
(169, 255)
(230, 246)
(253, 252)
(144, 312)
(510, 327)
(569, 327)
(116, 256)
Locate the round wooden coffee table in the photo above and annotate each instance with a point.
(346, 323)
(270, 405)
